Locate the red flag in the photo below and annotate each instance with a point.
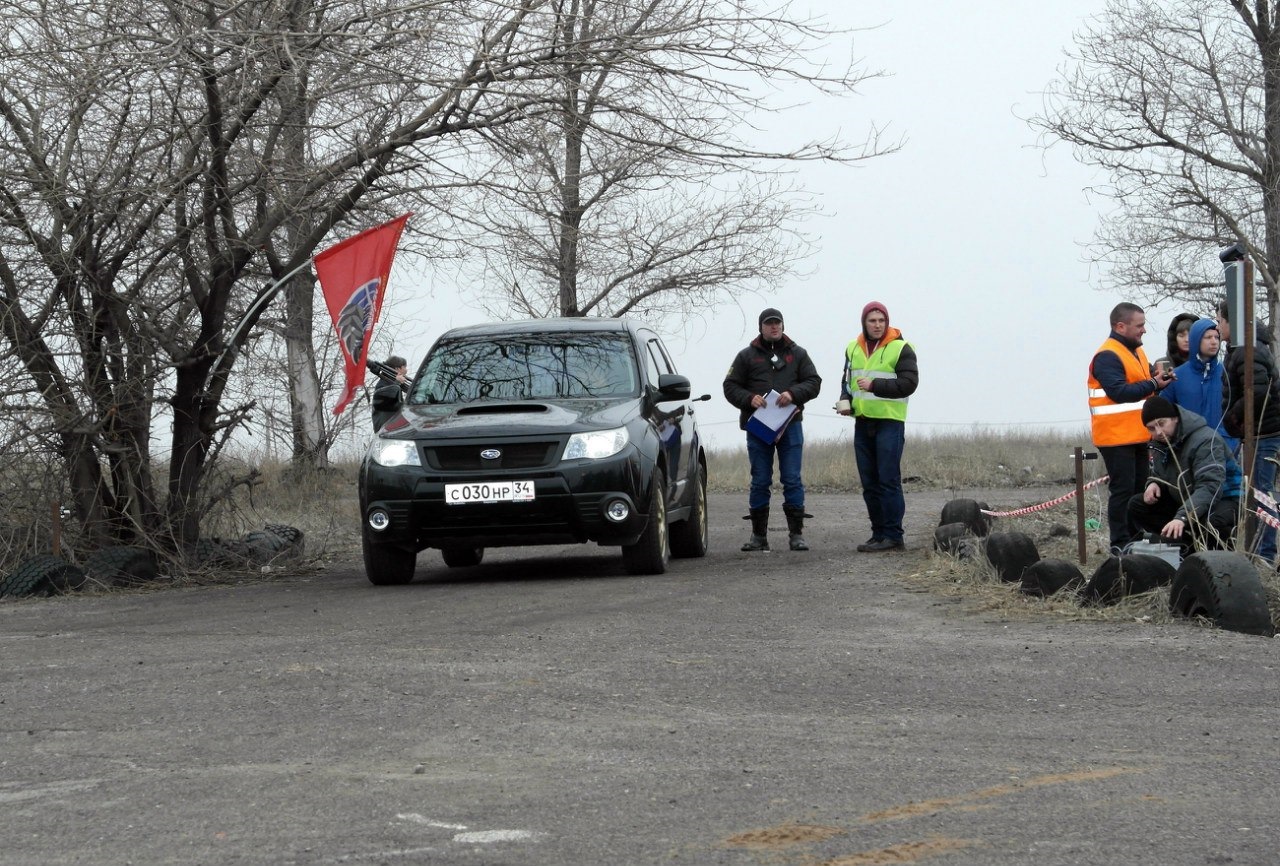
(353, 275)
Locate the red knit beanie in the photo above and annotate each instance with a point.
(875, 305)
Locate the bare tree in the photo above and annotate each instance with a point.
(142, 206)
(639, 194)
(1180, 105)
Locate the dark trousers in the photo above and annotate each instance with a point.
(1152, 518)
(877, 445)
(1128, 466)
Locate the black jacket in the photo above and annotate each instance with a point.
(388, 397)
(753, 372)
(1266, 392)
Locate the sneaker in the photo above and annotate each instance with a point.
(884, 544)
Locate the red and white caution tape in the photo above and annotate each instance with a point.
(1267, 518)
(1044, 505)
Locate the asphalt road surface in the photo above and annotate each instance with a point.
(780, 709)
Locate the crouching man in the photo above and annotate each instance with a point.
(1192, 496)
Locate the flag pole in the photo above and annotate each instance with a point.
(259, 303)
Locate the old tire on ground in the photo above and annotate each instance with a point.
(265, 546)
(294, 538)
(1048, 576)
(1125, 575)
(1012, 553)
(1224, 587)
(649, 555)
(968, 512)
(122, 565)
(947, 537)
(690, 538)
(462, 557)
(387, 564)
(42, 574)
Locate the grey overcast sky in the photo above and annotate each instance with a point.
(971, 235)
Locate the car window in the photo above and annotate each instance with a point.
(529, 367)
(654, 363)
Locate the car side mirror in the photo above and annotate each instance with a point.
(672, 386)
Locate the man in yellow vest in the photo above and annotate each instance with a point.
(1120, 381)
(880, 373)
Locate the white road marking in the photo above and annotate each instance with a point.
(414, 818)
(484, 837)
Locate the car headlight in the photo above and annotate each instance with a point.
(597, 444)
(394, 452)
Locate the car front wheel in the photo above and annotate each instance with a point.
(386, 564)
(649, 555)
(689, 537)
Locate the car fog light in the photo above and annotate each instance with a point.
(379, 520)
(617, 511)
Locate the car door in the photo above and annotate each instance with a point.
(670, 418)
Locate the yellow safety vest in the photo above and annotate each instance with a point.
(882, 364)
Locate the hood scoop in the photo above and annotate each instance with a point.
(503, 409)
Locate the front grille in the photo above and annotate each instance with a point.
(515, 455)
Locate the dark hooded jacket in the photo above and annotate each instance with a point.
(1196, 467)
(1266, 390)
(1198, 385)
(1172, 353)
(753, 372)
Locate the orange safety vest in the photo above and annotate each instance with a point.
(1118, 423)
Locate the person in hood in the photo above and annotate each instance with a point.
(880, 373)
(1192, 496)
(1178, 344)
(773, 362)
(1197, 384)
(1266, 418)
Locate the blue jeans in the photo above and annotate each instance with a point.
(1264, 479)
(789, 449)
(877, 445)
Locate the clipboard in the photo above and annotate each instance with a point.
(770, 421)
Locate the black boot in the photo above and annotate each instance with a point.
(759, 539)
(795, 526)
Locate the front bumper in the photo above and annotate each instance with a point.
(569, 505)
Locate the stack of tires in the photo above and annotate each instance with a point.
(275, 543)
(117, 565)
(1216, 585)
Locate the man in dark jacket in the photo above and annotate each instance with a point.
(1192, 496)
(1266, 417)
(388, 397)
(773, 362)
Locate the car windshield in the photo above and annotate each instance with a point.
(528, 367)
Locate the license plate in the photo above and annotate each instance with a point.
(488, 491)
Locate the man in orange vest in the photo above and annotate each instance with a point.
(1120, 381)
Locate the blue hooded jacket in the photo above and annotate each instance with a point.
(1198, 386)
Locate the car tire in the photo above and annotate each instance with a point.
(122, 565)
(1011, 553)
(968, 512)
(1224, 587)
(462, 557)
(947, 537)
(690, 538)
(650, 554)
(387, 564)
(1128, 574)
(1042, 579)
(43, 574)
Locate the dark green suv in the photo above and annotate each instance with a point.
(538, 432)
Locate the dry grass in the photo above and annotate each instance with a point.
(976, 458)
(976, 581)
